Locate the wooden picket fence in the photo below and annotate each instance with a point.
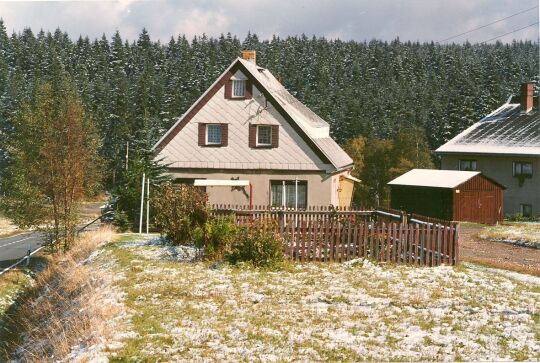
(322, 234)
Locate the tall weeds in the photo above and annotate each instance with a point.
(63, 309)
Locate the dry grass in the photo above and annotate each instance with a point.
(526, 232)
(63, 309)
(7, 228)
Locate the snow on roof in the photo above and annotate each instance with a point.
(434, 178)
(317, 129)
(507, 130)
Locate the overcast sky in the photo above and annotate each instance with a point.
(422, 20)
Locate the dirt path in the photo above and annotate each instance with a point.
(496, 254)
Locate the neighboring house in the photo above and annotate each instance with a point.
(249, 141)
(505, 146)
(448, 194)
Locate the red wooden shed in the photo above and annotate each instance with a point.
(449, 194)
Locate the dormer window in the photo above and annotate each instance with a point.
(264, 135)
(239, 88)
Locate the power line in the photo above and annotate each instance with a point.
(484, 26)
(513, 31)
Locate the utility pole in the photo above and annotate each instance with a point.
(142, 205)
(127, 156)
(147, 203)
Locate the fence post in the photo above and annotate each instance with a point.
(456, 244)
(27, 261)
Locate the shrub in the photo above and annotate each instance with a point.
(518, 217)
(215, 237)
(121, 221)
(258, 245)
(179, 209)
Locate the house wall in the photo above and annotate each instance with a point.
(293, 153)
(321, 187)
(500, 169)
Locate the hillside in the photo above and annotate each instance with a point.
(135, 90)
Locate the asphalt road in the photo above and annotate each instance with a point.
(14, 248)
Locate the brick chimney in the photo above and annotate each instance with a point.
(526, 97)
(250, 55)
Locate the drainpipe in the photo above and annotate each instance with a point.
(296, 193)
(250, 196)
(283, 196)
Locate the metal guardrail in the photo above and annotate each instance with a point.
(26, 259)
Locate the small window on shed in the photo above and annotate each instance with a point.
(467, 165)
(526, 210)
(523, 169)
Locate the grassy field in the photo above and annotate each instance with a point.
(180, 310)
(513, 231)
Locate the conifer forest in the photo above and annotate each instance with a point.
(135, 89)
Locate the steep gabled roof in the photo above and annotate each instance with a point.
(313, 129)
(311, 124)
(507, 130)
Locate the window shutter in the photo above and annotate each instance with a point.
(228, 89)
(248, 94)
(224, 134)
(202, 134)
(252, 135)
(275, 135)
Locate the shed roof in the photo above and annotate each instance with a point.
(507, 130)
(434, 178)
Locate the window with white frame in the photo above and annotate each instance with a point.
(288, 193)
(523, 169)
(264, 135)
(238, 88)
(213, 134)
(467, 165)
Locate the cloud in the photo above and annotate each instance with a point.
(415, 20)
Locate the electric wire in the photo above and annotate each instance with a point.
(486, 25)
(513, 31)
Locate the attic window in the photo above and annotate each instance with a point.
(264, 135)
(213, 134)
(239, 88)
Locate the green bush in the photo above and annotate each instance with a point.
(121, 221)
(179, 210)
(518, 217)
(215, 237)
(258, 245)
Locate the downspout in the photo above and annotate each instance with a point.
(296, 193)
(250, 196)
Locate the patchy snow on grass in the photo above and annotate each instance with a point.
(182, 310)
(521, 234)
